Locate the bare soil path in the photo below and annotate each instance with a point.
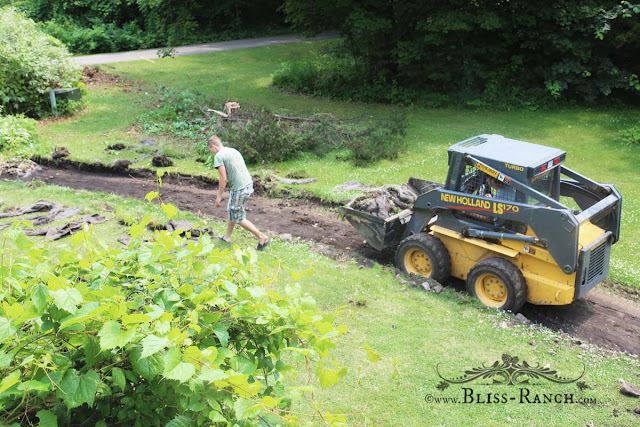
(608, 321)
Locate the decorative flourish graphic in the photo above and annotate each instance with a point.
(509, 372)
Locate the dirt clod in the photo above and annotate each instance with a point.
(161, 161)
(121, 164)
(117, 146)
(552, 352)
(60, 153)
(533, 343)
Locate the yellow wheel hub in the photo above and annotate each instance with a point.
(491, 290)
(417, 261)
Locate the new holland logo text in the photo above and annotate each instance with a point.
(471, 203)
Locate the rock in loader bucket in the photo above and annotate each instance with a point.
(382, 233)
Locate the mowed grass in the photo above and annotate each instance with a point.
(590, 136)
(419, 330)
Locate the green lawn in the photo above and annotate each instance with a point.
(418, 329)
(588, 135)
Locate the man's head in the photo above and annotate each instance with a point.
(214, 144)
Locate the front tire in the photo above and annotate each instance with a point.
(424, 255)
(497, 283)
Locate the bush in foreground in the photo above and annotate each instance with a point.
(31, 63)
(18, 135)
(166, 332)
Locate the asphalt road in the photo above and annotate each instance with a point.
(151, 54)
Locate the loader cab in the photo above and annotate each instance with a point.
(535, 166)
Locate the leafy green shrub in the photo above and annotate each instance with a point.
(69, 107)
(100, 37)
(631, 135)
(31, 63)
(262, 139)
(166, 332)
(385, 141)
(327, 74)
(18, 135)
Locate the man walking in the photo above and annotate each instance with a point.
(233, 170)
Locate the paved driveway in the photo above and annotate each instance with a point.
(151, 54)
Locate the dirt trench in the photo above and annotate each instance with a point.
(608, 321)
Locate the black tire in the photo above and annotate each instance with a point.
(497, 283)
(424, 255)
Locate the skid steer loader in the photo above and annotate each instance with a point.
(510, 220)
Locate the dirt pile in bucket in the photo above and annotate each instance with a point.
(386, 201)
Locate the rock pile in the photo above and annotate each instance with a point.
(386, 201)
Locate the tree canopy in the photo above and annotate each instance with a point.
(574, 49)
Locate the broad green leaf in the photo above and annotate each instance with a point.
(245, 408)
(329, 377)
(39, 296)
(152, 344)
(216, 417)
(34, 385)
(148, 367)
(151, 195)
(169, 210)
(174, 368)
(117, 375)
(67, 299)
(222, 334)
(92, 350)
(182, 372)
(112, 336)
(373, 356)
(210, 375)
(179, 421)
(9, 381)
(47, 418)
(242, 365)
(5, 360)
(6, 330)
(81, 315)
(131, 319)
(79, 389)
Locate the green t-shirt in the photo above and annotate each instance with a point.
(237, 172)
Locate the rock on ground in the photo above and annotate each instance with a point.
(629, 389)
(352, 186)
(18, 168)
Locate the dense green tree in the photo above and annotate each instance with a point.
(109, 25)
(480, 49)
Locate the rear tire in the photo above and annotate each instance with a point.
(424, 255)
(497, 283)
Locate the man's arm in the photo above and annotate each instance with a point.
(221, 184)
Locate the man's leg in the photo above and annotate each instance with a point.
(248, 225)
(230, 225)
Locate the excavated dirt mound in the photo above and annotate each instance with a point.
(608, 321)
